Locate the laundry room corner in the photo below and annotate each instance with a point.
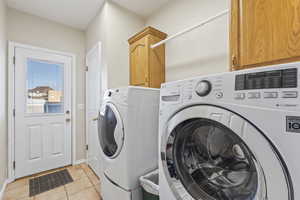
(3, 99)
(124, 24)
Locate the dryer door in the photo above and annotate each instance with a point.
(111, 131)
(211, 153)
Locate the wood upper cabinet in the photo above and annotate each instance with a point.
(138, 63)
(147, 66)
(264, 32)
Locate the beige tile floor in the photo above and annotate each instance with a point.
(86, 186)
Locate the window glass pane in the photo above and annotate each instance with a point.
(45, 87)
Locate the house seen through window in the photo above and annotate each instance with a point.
(45, 87)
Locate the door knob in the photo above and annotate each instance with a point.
(96, 119)
(68, 120)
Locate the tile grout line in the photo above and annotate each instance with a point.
(93, 185)
(93, 173)
(66, 192)
(97, 192)
(86, 176)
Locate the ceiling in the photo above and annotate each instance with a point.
(75, 13)
(143, 8)
(78, 13)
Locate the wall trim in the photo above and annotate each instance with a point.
(11, 102)
(3, 189)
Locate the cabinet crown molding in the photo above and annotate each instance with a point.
(147, 31)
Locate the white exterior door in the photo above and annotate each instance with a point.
(43, 139)
(94, 91)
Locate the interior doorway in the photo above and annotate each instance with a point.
(95, 86)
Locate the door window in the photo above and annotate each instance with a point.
(107, 126)
(212, 162)
(45, 87)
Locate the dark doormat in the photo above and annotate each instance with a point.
(48, 182)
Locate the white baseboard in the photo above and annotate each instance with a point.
(77, 162)
(3, 189)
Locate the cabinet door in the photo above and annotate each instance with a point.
(157, 63)
(139, 63)
(265, 32)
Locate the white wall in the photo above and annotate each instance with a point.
(36, 31)
(3, 95)
(113, 26)
(121, 26)
(96, 32)
(204, 51)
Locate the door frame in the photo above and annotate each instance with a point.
(11, 102)
(98, 46)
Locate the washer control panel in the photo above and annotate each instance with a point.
(270, 95)
(272, 87)
(267, 95)
(272, 84)
(286, 78)
(203, 88)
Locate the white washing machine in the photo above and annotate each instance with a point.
(128, 132)
(231, 136)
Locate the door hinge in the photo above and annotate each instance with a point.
(14, 112)
(14, 165)
(14, 60)
(87, 147)
(87, 68)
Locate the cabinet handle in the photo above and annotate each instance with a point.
(234, 60)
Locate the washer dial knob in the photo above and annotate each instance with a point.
(203, 88)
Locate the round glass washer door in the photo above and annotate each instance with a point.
(210, 153)
(110, 130)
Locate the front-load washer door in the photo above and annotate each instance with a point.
(210, 153)
(111, 131)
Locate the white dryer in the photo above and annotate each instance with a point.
(128, 132)
(231, 136)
